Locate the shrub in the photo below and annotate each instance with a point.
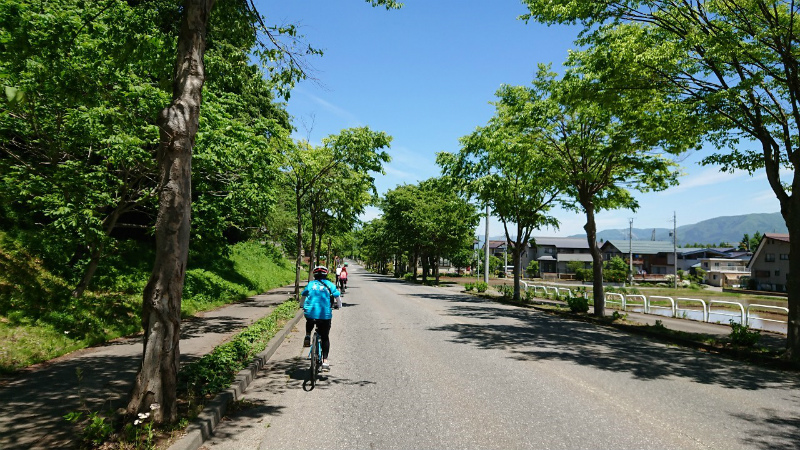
(507, 291)
(469, 287)
(481, 286)
(529, 296)
(408, 277)
(578, 304)
(615, 270)
(532, 269)
(217, 370)
(742, 335)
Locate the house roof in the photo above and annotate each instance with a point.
(585, 257)
(783, 237)
(561, 242)
(641, 247)
(777, 236)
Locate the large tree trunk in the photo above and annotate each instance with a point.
(597, 260)
(161, 306)
(790, 209)
(515, 257)
(436, 260)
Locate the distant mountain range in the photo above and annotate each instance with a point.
(729, 229)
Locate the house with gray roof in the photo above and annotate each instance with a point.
(553, 254)
(649, 257)
(769, 266)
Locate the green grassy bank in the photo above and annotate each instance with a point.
(40, 320)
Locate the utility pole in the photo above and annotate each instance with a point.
(486, 264)
(675, 248)
(630, 250)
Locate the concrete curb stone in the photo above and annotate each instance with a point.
(201, 429)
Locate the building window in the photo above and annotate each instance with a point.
(784, 256)
(769, 257)
(777, 273)
(549, 250)
(715, 277)
(716, 264)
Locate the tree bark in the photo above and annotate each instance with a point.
(515, 258)
(790, 209)
(156, 380)
(597, 260)
(436, 267)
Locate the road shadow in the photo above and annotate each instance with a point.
(772, 429)
(536, 336)
(208, 325)
(33, 403)
(32, 409)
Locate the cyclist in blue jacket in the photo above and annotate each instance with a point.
(317, 310)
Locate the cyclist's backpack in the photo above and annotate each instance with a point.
(332, 298)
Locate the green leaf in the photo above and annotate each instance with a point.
(14, 95)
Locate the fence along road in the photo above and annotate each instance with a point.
(425, 367)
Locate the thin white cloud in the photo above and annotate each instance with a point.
(399, 175)
(707, 177)
(767, 195)
(342, 113)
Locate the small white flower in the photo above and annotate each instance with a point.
(154, 406)
(66, 332)
(137, 422)
(143, 416)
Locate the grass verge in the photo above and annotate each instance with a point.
(40, 320)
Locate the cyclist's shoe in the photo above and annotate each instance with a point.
(326, 366)
(307, 341)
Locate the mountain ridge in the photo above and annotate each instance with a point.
(728, 229)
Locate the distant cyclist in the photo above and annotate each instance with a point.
(317, 310)
(338, 272)
(343, 278)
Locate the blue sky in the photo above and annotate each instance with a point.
(425, 74)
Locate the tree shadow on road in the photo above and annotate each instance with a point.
(536, 336)
(772, 430)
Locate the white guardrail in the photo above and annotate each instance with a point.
(701, 301)
(630, 300)
(745, 316)
(650, 305)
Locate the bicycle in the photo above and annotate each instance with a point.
(315, 355)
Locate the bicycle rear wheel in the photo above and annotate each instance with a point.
(315, 362)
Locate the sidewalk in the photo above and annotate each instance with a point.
(33, 402)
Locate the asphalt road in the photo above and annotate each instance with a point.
(426, 367)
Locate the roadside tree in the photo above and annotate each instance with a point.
(510, 174)
(735, 62)
(599, 150)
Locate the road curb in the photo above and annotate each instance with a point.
(201, 429)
